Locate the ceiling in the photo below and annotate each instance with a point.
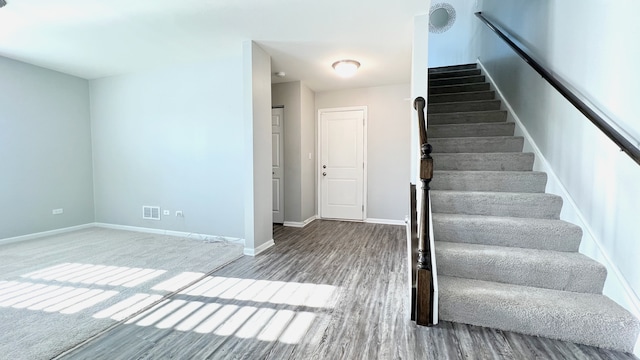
(97, 38)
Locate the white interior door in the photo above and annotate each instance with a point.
(277, 155)
(342, 164)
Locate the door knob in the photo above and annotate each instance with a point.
(324, 174)
(324, 166)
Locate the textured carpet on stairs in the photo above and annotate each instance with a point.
(505, 259)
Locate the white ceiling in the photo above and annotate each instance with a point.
(98, 38)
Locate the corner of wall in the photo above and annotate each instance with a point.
(257, 175)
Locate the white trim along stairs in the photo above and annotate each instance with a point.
(505, 259)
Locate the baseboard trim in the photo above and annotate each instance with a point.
(45, 233)
(184, 234)
(259, 249)
(300, 224)
(385, 221)
(616, 286)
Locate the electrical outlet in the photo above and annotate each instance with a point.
(166, 212)
(179, 213)
(57, 211)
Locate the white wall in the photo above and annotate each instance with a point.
(388, 141)
(456, 45)
(308, 152)
(172, 138)
(299, 141)
(593, 46)
(288, 95)
(419, 81)
(258, 214)
(45, 150)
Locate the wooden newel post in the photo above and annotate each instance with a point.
(424, 283)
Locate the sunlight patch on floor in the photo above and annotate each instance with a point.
(179, 281)
(95, 274)
(127, 307)
(232, 307)
(264, 291)
(50, 298)
(224, 306)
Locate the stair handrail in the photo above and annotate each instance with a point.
(589, 111)
(425, 313)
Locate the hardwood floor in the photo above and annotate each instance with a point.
(333, 290)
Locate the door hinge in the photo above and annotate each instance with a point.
(362, 208)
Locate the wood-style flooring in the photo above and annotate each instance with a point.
(333, 290)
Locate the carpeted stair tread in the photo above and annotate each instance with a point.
(487, 161)
(498, 181)
(471, 130)
(487, 144)
(448, 89)
(454, 73)
(505, 260)
(524, 205)
(543, 234)
(584, 318)
(463, 96)
(452, 68)
(568, 271)
(457, 80)
(464, 106)
(468, 117)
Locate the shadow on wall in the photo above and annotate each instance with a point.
(520, 84)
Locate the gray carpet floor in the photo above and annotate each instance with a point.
(58, 291)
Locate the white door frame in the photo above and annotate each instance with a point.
(282, 164)
(319, 157)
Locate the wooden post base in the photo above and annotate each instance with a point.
(424, 307)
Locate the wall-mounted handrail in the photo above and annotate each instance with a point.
(424, 300)
(625, 145)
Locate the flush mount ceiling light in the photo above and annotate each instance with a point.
(346, 68)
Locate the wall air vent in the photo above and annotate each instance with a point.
(151, 212)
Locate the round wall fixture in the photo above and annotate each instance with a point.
(441, 18)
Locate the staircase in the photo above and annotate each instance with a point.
(504, 258)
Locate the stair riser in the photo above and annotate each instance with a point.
(477, 145)
(467, 118)
(471, 130)
(457, 81)
(435, 90)
(455, 97)
(598, 325)
(486, 162)
(466, 106)
(524, 233)
(542, 206)
(526, 182)
(455, 73)
(452, 68)
(566, 271)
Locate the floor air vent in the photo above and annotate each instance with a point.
(151, 212)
